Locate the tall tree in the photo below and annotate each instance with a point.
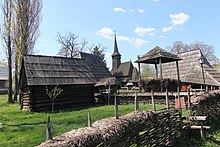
(70, 44)
(99, 50)
(7, 35)
(147, 70)
(179, 47)
(206, 49)
(26, 31)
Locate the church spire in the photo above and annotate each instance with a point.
(116, 56)
(115, 46)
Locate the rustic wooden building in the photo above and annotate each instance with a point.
(3, 79)
(73, 75)
(191, 71)
(159, 56)
(97, 66)
(124, 71)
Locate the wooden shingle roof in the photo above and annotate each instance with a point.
(190, 69)
(108, 81)
(126, 72)
(48, 70)
(153, 56)
(123, 69)
(96, 65)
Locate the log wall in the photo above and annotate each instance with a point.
(35, 98)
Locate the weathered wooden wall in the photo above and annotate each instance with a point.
(35, 99)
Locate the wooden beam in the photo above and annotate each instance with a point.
(203, 76)
(200, 118)
(178, 88)
(89, 120)
(136, 103)
(152, 99)
(177, 70)
(156, 69)
(199, 127)
(189, 100)
(139, 70)
(167, 99)
(116, 108)
(160, 63)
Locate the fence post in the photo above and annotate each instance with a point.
(48, 130)
(152, 99)
(189, 100)
(167, 99)
(136, 102)
(89, 120)
(116, 108)
(178, 95)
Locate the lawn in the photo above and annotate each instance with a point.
(22, 128)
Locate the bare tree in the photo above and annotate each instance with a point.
(70, 45)
(207, 50)
(7, 35)
(26, 31)
(179, 47)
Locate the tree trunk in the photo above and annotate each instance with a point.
(9, 71)
(52, 105)
(16, 79)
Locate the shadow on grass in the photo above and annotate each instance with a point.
(26, 124)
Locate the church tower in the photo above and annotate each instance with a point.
(116, 56)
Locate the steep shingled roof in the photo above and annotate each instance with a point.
(153, 55)
(126, 70)
(48, 70)
(190, 69)
(96, 65)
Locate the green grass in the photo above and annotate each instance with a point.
(21, 128)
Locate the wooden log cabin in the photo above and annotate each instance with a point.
(73, 75)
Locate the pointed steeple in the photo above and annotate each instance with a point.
(116, 56)
(116, 53)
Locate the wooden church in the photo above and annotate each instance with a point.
(125, 72)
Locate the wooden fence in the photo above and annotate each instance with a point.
(139, 128)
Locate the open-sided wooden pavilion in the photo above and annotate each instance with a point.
(158, 56)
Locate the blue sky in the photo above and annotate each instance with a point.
(140, 24)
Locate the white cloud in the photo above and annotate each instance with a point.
(105, 32)
(118, 9)
(123, 38)
(179, 19)
(141, 30)
(131, 10)
(141, 10)
(161, 36)
(167, 29)
(155, 0)
(139, 42)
